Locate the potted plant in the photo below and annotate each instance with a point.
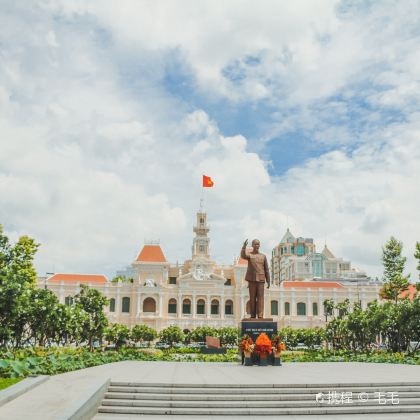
(278, 346)
(247, 347)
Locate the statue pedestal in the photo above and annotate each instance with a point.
(254, 327)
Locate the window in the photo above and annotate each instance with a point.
(287, 308)
(201, 305)
(229, 307)
(214, 309)
(68, 300)
(172, 280)
(228, 282)
(274, 307)
(201, 248)
(149, 305)
(201, 220)
(300, 249)
(186, 306)
(112, 305)
(172, 306)
(125, 304)
(301, 308)
(314, 308)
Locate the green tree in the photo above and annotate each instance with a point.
(290, 336)
(92, 301)
(117, 334)
(141, 332)
(328, 308)
(199, 334)
(171, 335)
(17, 275)
(343, 308)
(417, 256)
(73, 324)
(394, 280)
(43, 315)
(228, 335)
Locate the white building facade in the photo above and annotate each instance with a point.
(201, 292)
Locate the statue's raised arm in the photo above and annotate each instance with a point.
(243, 250)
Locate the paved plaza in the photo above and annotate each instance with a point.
(60, 396)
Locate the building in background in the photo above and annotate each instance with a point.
(201, 292)
(296, 259)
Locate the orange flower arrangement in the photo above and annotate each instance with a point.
(247, 345)
(263, 345)
(278, 344)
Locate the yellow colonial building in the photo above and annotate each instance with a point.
(200, 292)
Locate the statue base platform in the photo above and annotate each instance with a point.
(254, 327)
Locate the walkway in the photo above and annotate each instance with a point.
(60, 396)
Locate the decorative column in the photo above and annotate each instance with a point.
(293, 303)
(208, 305)
(309, 311)
(179, 305)
(321, 304)
(222, 307)
(118, 301)
(194, 305)
(138, 303)
(160, 305)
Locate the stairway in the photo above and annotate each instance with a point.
(259, 399)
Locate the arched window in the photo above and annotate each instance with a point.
(201, 306)
(229, 307)
(112, 305)
(301, 308)
(68, 300)
(125, 304)
(186, 306)
(274, 307)
(172, 306)
(287, 308)
(149, 305)
(248, 308)
(314, 308)
(214, 310)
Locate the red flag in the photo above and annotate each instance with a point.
(207, 181)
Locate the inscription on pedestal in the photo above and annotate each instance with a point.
(255, 327)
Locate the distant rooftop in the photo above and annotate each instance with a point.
(151, 253)
(78, 278)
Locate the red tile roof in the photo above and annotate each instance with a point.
(79, 278)
(411, 292)
(321, 284)
(151, 253)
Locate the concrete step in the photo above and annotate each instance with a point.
(260, 391)
(263, 411)
(124, 398)
(230, 386)
(247, 404)
(225, 397)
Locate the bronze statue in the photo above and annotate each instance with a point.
(257, 274)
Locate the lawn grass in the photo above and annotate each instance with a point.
(6, 382)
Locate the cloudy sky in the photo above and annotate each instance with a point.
(304, 113)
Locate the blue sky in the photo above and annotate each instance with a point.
(302, 112)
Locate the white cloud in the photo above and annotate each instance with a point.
(96, 156)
